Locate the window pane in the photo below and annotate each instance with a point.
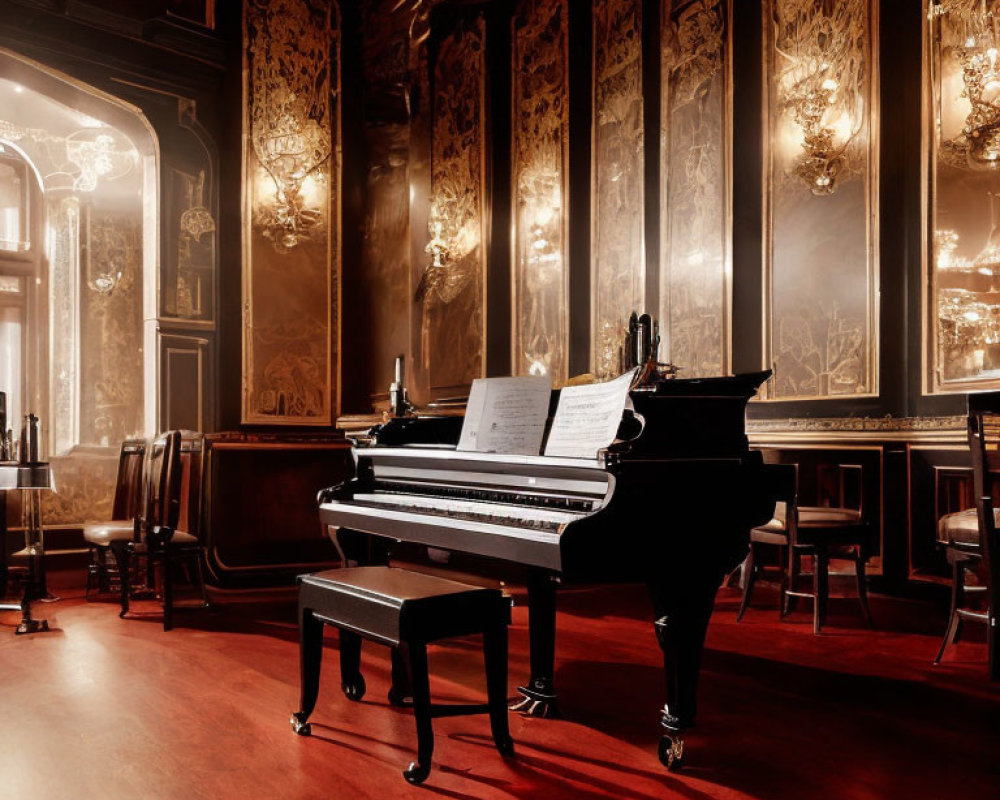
(11, 324)
(13, 207)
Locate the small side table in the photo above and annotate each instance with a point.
(30, 480)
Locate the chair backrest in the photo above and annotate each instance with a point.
(192, 457)
(127, 503)
(162, 486)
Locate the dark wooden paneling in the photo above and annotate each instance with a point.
(261, 522)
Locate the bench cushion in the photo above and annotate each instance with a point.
(394, 605)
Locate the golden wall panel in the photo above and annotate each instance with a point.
(962, 220)
(695, 185)
(452, 288)
(618, 272)
(540, 129)
(821, 210)
(291, 213)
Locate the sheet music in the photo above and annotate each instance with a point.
(588, 417)
(506, 415)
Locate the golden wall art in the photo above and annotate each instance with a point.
(695, 185)
(452, 286)
(962, 221)
(618, 272)
(540, 129)
(291, 212)
(821, 211)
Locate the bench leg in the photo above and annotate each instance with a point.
(418, 770)
(310, 660)
(352, 682)
(400, 692)
(821, 586)
(495, 656)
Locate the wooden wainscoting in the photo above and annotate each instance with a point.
(261, 520)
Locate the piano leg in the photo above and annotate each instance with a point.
(682, 610)
(539, 696)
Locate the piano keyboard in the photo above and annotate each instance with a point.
(544, 519)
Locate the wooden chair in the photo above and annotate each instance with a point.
(125, 511)
(171, 495)
(979, 552)
(823, 532)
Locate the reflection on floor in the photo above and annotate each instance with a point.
(109, 708)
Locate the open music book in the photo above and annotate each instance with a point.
(508, 415)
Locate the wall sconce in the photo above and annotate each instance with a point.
(290, 207)
(981, 78)
(440, 252)
(823, 159)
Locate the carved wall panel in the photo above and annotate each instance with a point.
(291, 216)
(962, 222)
(186, 385)
(695, 185)
(451, 290)
(540, 129)
(618, 272)
(189, 275)
(385, 255)
(821, 184)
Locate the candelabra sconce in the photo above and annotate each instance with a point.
(981, 78)
(823, 159)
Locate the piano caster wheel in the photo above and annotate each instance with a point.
(416, 773)
(671, 752)
(535, 703)
(399, 699)
(300, 726)
(354, 690)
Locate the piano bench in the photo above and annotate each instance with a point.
(404, 610)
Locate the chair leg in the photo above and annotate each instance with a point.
(418, 770)
(954, 620)
(788, 601)
(992, 642)
(122, 554)
(495, 658)
(310, 661)
(821, 586)
(861, 578)
(352, 682)
(749, 576)
(200, 571)
(168, 586)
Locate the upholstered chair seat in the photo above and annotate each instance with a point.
(962, 527)
(102, 534)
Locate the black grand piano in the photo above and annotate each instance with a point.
(669, 503)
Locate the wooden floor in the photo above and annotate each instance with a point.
(107, 708)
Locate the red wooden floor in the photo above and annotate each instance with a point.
(108, 708)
